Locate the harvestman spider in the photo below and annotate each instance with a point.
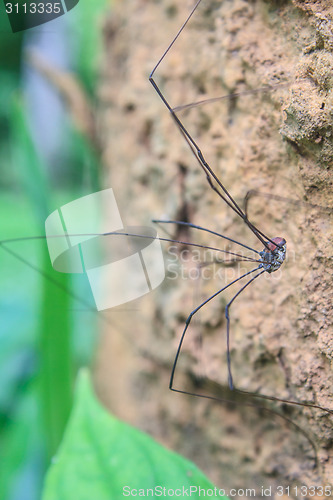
(269, 259)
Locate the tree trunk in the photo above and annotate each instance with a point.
(277, 142)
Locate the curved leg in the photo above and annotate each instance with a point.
(188, 321)
(227, 307)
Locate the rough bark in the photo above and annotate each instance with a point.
(276, 142)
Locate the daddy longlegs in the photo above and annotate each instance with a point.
(269, 259)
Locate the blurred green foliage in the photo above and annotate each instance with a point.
(100, 456)
(43, 340)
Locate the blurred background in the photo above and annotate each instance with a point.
(48, 156)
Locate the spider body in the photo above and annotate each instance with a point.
(273, 257)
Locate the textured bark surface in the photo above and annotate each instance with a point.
(277, 142)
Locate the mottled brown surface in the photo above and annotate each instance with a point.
(277, 142)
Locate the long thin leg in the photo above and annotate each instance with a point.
(253, 192)
(188, 321)
(175, 38)
(122, 233)
(227, 198)
(210, 174)
(211, 100)
(287, 401)
(227, 307)
(199, 155)
(51, 279)
(195, 226)
(44, 274)
(197, 152)
(197, 245)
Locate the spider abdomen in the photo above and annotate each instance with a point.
(274, 256)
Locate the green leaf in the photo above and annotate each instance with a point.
(100, 456)
(55, 354)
